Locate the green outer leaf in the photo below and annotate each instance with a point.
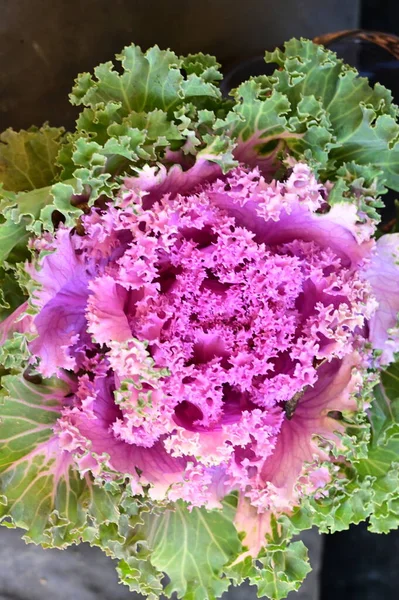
(149, 81)
(282, 571)
(381, 466)
(203, 65)
(28, 166)
(384, 414)
(369, 488)
(60, 198)
(390, 383)
(40, 489)
(132, 118)
(192, 548)
(28, 158)
(363, 119)
(316, 108)
(11, 235)
(374, 141)
(280, 567)
(11, 295)
(32, 211)
(140, 576)
(259, 115)
(359, 184)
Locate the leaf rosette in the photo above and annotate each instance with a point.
(202, 312)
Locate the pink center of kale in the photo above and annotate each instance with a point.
(239, 325)
(229, 317)
(195, 324)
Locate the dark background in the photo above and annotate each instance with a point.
(381, 16)
(43, 45)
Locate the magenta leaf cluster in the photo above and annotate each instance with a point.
(214, 338)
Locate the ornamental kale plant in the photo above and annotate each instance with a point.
(199, 319)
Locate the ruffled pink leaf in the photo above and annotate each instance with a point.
(59, 326)
(62, 299)
(89, 434)
(106, 317)
(154, 182)
(314, 419)
(383, 275)
(255, 526)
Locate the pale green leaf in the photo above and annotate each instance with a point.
(192, 547)
(282, 571)
(11, 235)
(42, 491)
(28, 158)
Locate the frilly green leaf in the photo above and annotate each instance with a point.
(202, 65)
(149, 80)
(11, 235)
(28, 165)
(317, 108)
(381, 466)
(281, 571)
(192, 547)
(280, 567)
